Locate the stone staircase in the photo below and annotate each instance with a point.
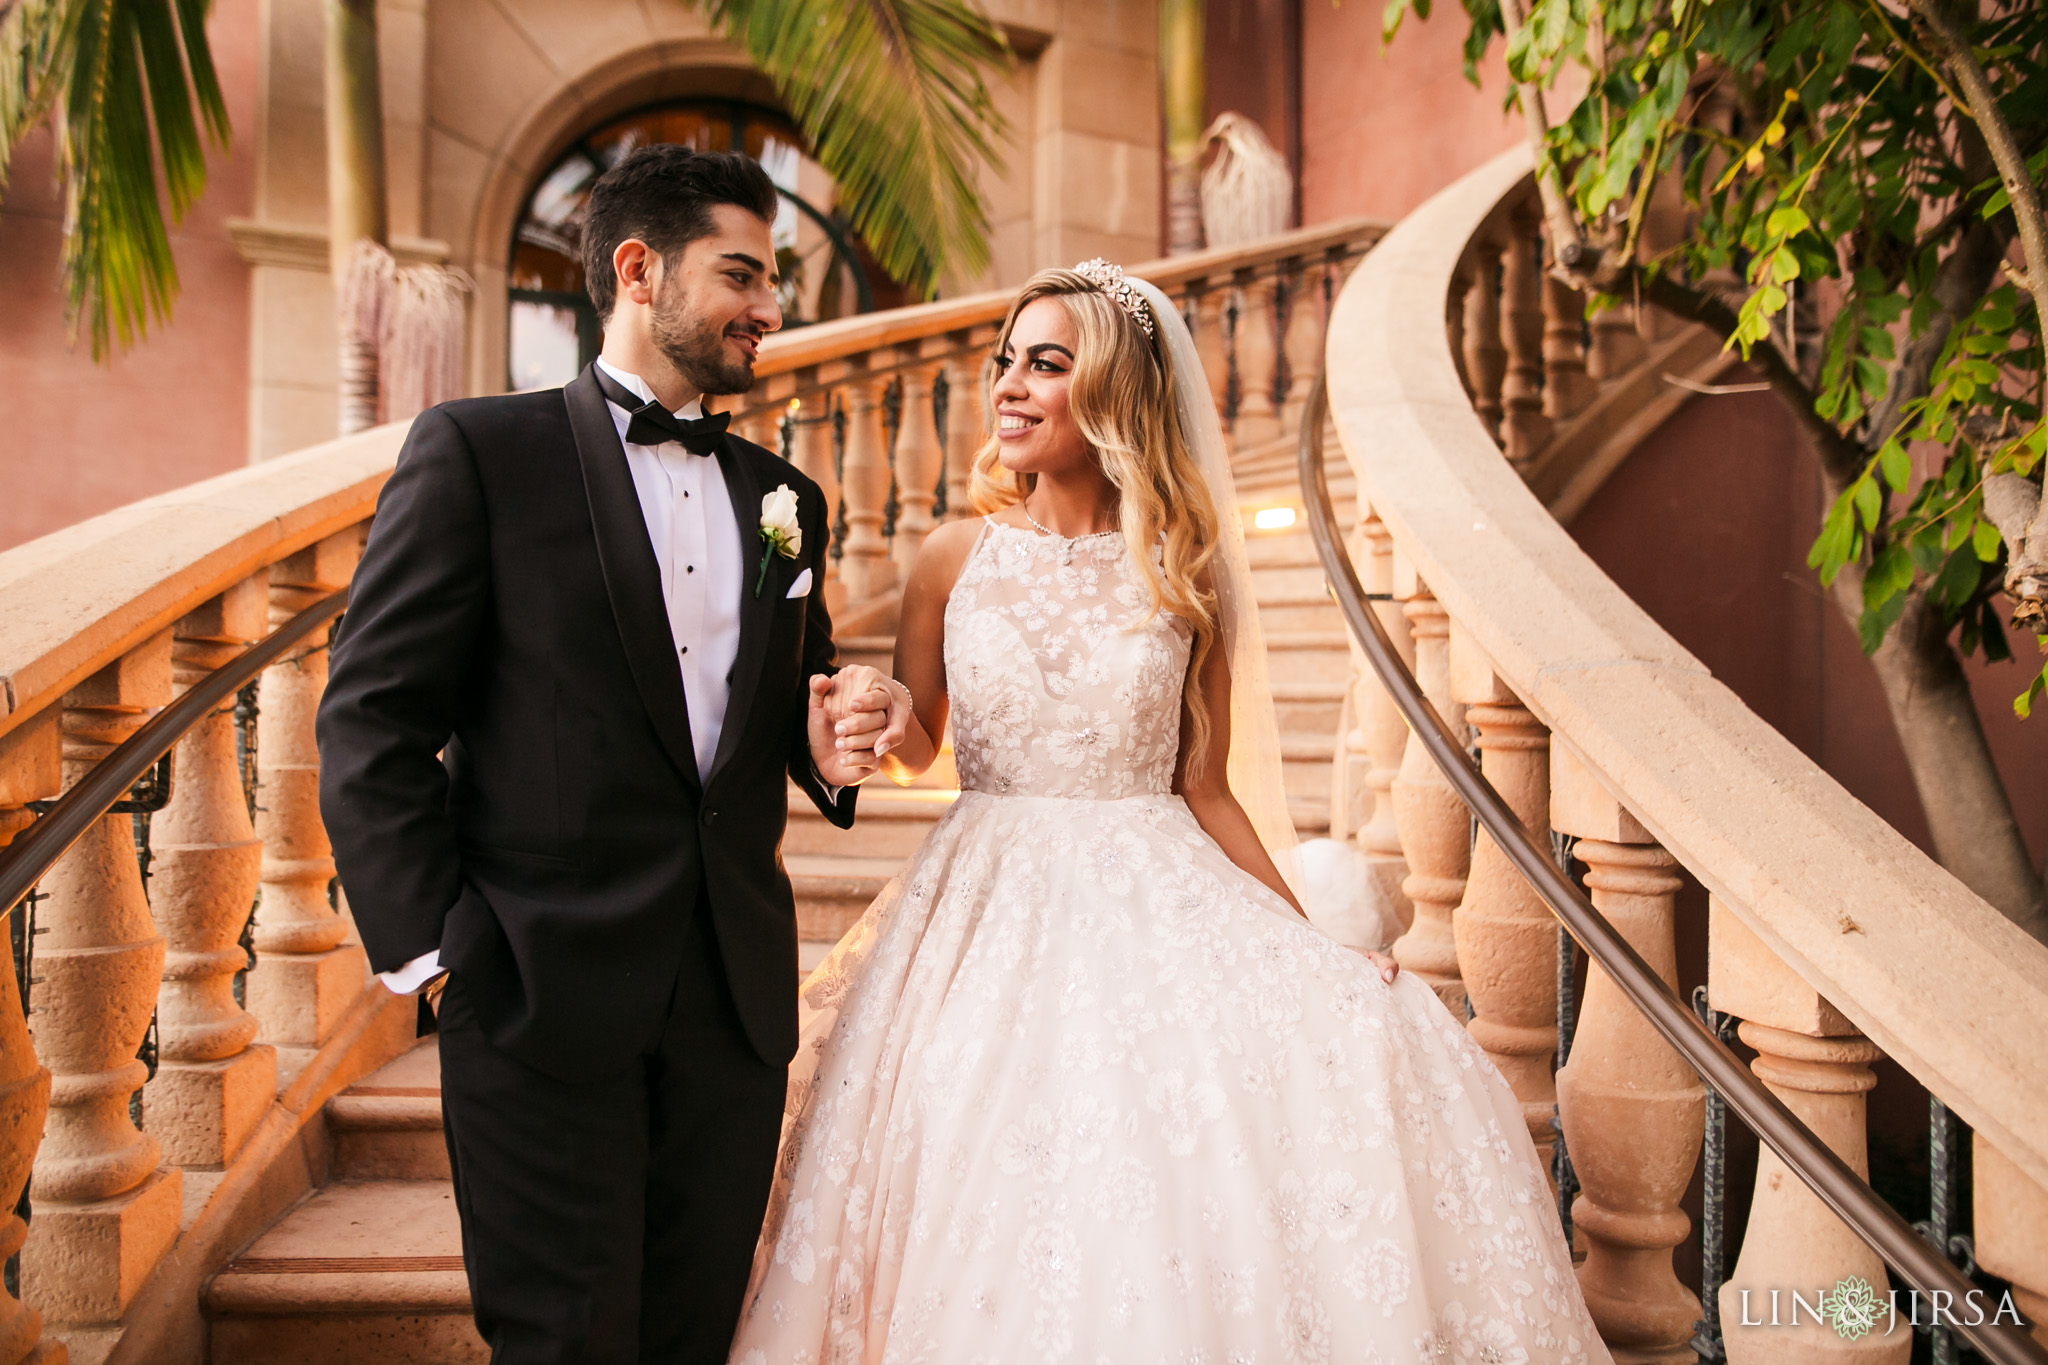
(368, 1269)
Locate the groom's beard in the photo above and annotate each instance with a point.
(696, 347)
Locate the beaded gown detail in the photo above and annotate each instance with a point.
(1077, 1088)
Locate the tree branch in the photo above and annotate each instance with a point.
(1983, 110)
(1842, 458)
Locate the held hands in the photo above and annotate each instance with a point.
(856, 717)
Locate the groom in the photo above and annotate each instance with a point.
(584, 653)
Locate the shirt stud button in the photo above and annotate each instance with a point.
(689, 568)
(686, 649)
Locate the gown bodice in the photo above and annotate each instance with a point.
(1063, 681)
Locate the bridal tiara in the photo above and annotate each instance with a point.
(1110, 280)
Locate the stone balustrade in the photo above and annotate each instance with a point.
(1832, 940)
(146, 1101)
(885, 410)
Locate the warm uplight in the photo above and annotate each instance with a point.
(1273, 518)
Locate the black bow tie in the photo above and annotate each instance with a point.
(650, 424)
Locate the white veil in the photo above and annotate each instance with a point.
(1255, 777)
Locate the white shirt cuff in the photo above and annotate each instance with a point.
(413, 975)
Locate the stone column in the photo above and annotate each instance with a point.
(1618, 345)
(211, 1087)
(1633, 1111)
(2011, 1231)
(1436, 829)
(307, 972)
(1819, 1065)
(1524, 428)
(1207, 309)
(967, 424)
(1258, 355)
(104, 1212)
(866, 567)
(919, 463)
(31, 769)
(1506, 935)
(810, 450)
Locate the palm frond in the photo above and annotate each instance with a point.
(892, 95)
(131, 87)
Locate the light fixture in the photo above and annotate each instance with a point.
(1273, 518)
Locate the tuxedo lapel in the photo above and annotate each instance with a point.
(632, 577)
(757, 611)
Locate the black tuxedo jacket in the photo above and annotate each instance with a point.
(506, 769)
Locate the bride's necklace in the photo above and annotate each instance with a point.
(1045, 530)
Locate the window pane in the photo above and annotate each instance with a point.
(543, 345)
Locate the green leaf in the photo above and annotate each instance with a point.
(893, 97)
(1869, 503)
(1985, 542)
(131, 88)
(1786, 221)
(2023, 704)
(1784, 266)
(1958, 579)
(1898, 469)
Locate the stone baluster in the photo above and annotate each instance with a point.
(866, 567)
(1386, 733)
(1208, 312)
(1618, 344)
(1567, 387)
(211, 1087)
(919, 460)
(810, 450)
(1524, 427)
(1456, 301)
(1485, 358)
(1301, 341)
(307, 972)
(1506, 935)
(2011, 1231)
(764, 428)
(966, 423)
(1258, 357)
(1820, 1066)
(31, 769)
(1436, 829)
(104, 1212)
(1633, 1111)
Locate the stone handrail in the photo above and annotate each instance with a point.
(1832, 938)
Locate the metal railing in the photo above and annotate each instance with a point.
(24, 862)
(1826, 1174)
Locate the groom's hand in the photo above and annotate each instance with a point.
(856, 716)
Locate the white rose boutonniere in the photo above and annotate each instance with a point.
(780, 529)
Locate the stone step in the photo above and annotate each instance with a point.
(889, 821)
(387, 1126)
(832, 891)
(1300, 612)
(1311, 706)
(1308, 656)
(363, 1273)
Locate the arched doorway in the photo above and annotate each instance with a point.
(552, 330)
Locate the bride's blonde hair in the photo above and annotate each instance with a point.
(1122, 399)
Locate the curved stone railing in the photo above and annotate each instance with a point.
(1832, 940)
(180, 1044)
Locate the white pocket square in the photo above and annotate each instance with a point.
(801, 586)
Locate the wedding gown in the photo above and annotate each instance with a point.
(1077, 1088)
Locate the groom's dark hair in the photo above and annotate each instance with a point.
(663, 194)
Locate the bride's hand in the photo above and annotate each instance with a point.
(1389, 969)
(856, 716)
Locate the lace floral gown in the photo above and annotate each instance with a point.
(1076, 1088)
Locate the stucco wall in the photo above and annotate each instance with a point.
(80, 437)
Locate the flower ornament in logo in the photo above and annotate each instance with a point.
(1852, 1307)
(779, 529)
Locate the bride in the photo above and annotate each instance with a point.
(1083, 1085)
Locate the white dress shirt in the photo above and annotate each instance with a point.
(696, 540)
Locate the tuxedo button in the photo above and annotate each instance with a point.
(710, 817)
